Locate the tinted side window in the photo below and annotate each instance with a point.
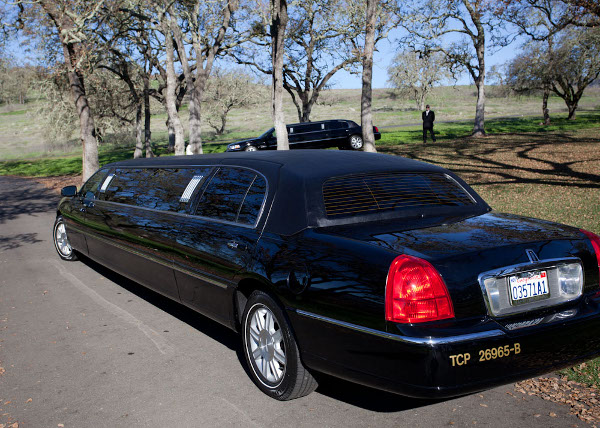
(170, 189)
(311, 127)
(156, 188)
(337, 125)
(125, 185)
(225, 193)
(253, 202)
(89, 189)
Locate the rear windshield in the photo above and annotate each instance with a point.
(356, 195)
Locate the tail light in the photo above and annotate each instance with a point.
(595, 239)
(376, 129)
(415, 292)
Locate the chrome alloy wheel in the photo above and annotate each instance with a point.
(356, 142)
(251, 149)
(62, 241)
(267, 348)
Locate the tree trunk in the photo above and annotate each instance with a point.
(278, 26)
(147, 118)
(366, 117)
(170, 96)
(195, 107)
(221, 130)
(545, 110)
(307, 106)
(139, 132)
(171, 132)
(572, 106)
(90, 163)
(479, 126)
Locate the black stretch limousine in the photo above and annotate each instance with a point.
(377, 269)
(343, 134)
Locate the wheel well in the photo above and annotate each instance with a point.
(244, 290)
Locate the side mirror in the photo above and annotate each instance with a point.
(69, 191)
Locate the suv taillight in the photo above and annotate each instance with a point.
(415, 292)
(595, 239)
(376, 129)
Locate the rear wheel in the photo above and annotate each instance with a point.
(61, 240)
(271, 351)
(356, 142)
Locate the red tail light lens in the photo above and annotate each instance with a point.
(376, 129)
(415, 292)
(595, 243)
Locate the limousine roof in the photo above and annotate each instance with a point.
(297, 200)
(306, 164)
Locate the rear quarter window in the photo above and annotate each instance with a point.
(374, 193)
(233, 194)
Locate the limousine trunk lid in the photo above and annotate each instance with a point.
(462, 249)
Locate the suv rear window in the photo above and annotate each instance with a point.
(373, 193)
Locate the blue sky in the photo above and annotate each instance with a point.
(386, 49)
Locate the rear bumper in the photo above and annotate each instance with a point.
(441, 367)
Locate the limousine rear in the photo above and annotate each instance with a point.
(377, 269)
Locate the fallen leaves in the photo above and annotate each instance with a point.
(583, 400)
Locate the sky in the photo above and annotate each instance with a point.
(385, 51)
(387, 48)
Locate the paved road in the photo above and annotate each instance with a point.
(83, 347)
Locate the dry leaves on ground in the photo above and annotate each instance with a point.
(57, 183)
(584, 401)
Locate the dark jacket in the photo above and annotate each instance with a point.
(428, 119)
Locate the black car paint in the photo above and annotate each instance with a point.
(331, 281)
(322, 138)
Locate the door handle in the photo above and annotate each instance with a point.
(234, 245)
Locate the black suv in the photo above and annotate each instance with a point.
(344, 134)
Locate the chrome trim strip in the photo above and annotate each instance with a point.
(154, 259)
(429, 341)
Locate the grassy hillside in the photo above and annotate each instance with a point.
(23, 134)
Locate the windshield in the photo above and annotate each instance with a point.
(267, 134)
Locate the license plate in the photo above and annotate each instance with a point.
(528, 286)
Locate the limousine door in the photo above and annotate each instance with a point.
(74, 213)
(216, 242)
(128, 236)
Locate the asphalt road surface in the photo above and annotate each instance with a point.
(84, 347)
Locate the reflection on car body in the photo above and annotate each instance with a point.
(381, 270)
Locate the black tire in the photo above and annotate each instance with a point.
(355, 142)
(61, 240)
(273, 344)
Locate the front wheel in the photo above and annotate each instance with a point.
(251, 149)
(61, 240)
(271, 351)
(356, 142)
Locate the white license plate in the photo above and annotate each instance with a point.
(528, 285)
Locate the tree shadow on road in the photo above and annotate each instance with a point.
(20, 196)
(10, 242)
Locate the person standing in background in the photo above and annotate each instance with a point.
(428, 119)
